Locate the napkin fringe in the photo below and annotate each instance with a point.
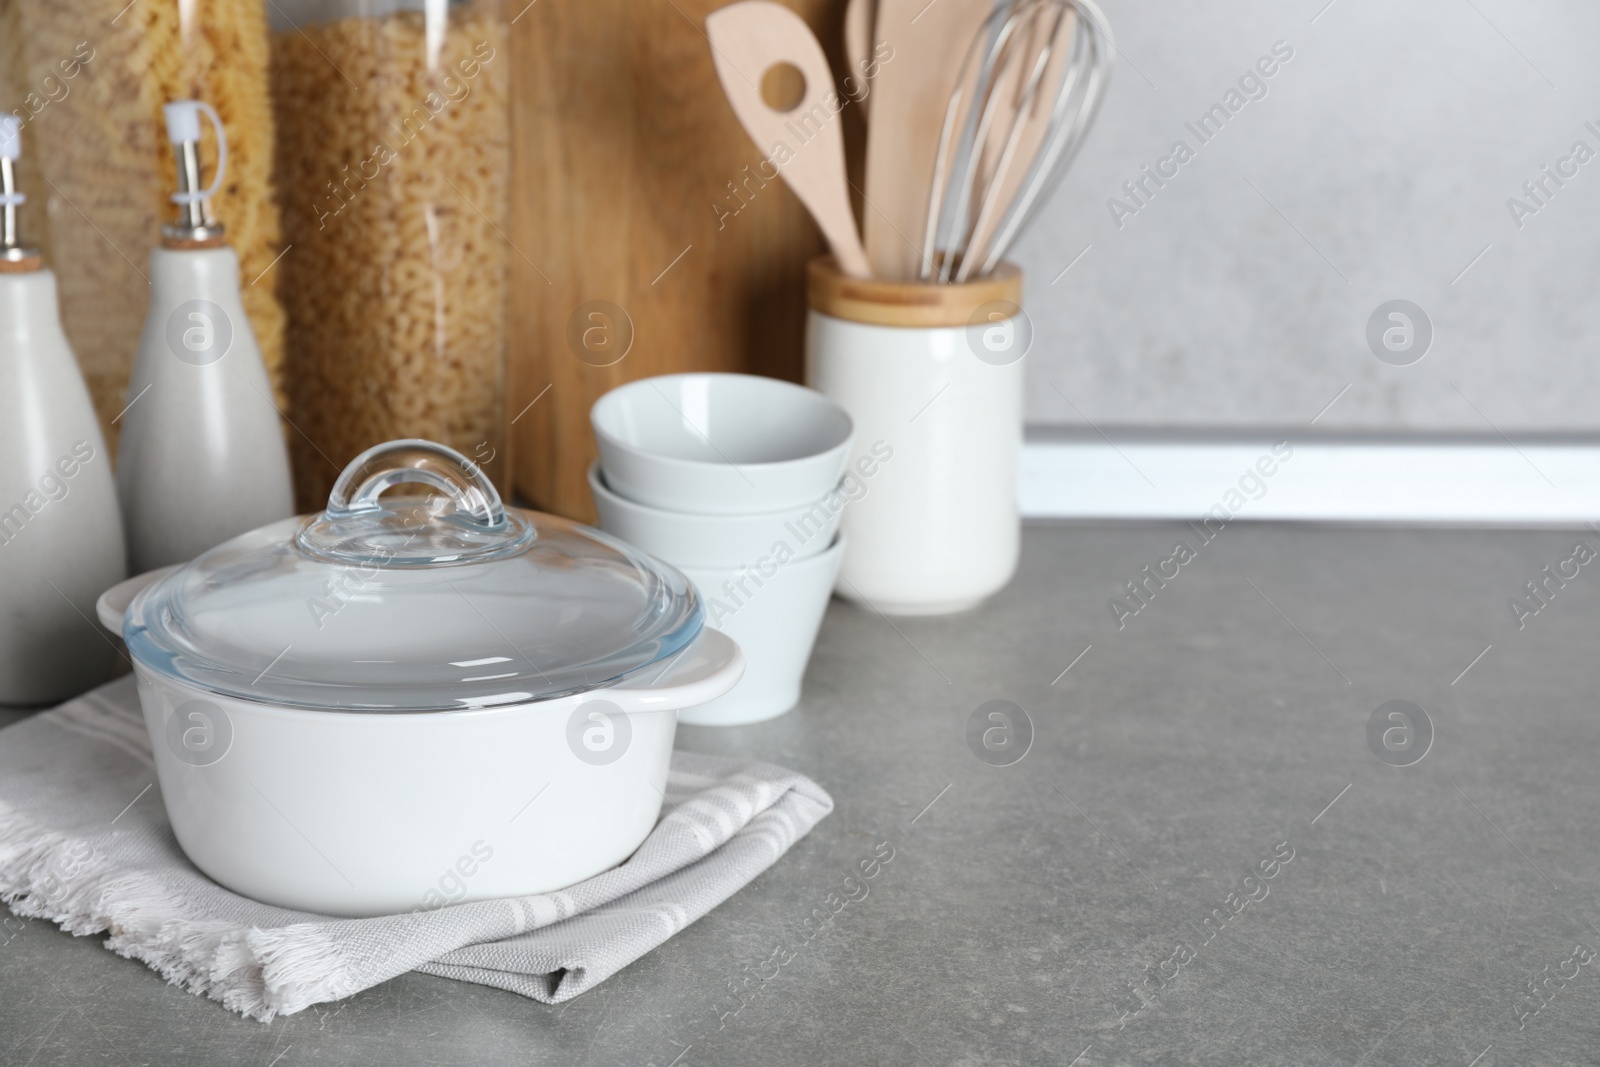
(48, 875)
(299, 967)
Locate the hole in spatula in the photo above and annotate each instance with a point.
(783, 87)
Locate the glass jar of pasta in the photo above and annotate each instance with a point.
(393, 161)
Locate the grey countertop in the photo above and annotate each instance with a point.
(1088, 904)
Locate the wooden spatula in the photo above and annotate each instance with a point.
(909, 96)
(860, 18)
(804, 142)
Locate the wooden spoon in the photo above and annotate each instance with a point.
(747, 40)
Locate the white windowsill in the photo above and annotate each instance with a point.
(1340, 478)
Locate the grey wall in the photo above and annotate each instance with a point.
(1391, 142)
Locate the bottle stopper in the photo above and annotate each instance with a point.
(15, 258)
(196, 227)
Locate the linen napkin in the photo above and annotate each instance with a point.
(85, 842)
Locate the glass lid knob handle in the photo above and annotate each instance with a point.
(416, 461)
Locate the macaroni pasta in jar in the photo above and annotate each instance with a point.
(393, 159)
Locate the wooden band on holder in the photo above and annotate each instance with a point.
(25, 265)
(877, 302)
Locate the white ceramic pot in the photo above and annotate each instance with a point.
(391, 753)
(773, 610)
(940, 429)
(371, 814)
(685, 539)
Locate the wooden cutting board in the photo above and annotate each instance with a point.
(639, 207)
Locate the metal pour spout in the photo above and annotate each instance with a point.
(196, 225)
(14, 256)
(10, 196)
(191, 215)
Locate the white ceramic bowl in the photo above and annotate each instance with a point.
(774, 618)
(720, 444)
(688, 540)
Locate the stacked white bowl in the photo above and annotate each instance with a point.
(736, 481)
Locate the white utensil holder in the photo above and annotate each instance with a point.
(932, 377)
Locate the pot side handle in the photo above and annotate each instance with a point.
(708, 668)
(113, 603)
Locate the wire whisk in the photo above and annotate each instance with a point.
(1030, 86)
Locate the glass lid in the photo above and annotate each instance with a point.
(413, 603)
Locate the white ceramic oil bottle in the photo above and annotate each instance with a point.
(202, 456)
(60, 534)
